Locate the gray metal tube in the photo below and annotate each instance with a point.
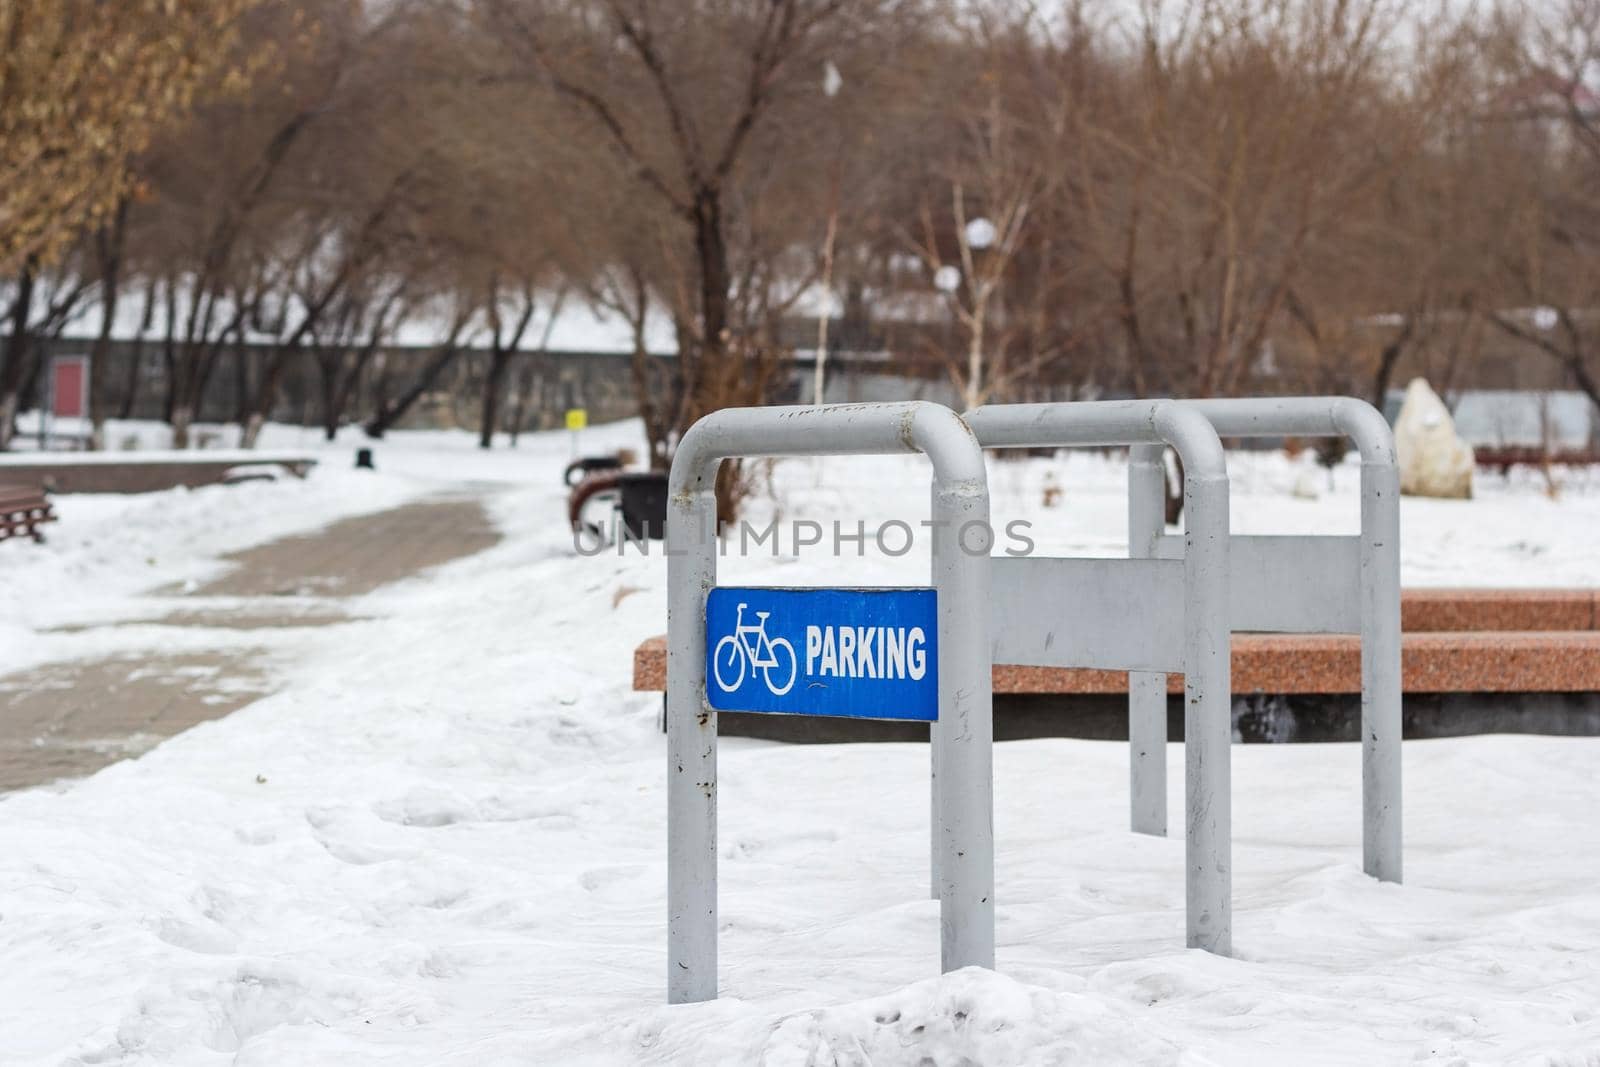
(963, 735)
(1208, 691)
(1147, 691)
(1382, 843)
(691, 735)
(1072, 424)
(966, 807)
(1381, 781)
(936, 740)
(1310, 416)
(1207, 680)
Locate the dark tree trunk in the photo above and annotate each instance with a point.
(388, 414)
(184, 373)
(525, 386)
(711, 251)
(1387, 360)
(198, 364)
(493, 384)
(130, 391)
(720, 377)
(109, 243)
(136, 356)
(1174, 505)
(35, 392)
(349, 385)
(15, 366)
(267, 395)
(169, 352)
(328, 378)
(351, 371)
(241, 387)
(1380, 381)
(647, 387)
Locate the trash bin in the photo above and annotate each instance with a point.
(644, 504)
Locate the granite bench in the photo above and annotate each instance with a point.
(1472, 661)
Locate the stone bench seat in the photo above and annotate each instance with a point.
(1435, 610)
(1446, 662)
(1472, 661)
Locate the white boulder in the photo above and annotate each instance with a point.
(1433, 460)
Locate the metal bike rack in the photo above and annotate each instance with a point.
(963, 735)
(1076, 613)
(1296, 584)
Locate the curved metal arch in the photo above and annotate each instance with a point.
(1208, 702)
(963, 738)
(1381, 681)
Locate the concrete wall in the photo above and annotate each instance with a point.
(552, 382)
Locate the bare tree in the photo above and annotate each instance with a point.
(84, 86)
(1546, 120)
(1215, 166)
(691, 100)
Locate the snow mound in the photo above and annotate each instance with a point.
(969, 1017)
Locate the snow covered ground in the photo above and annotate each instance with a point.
(442, 841)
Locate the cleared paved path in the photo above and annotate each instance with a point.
(70, 719)
(358, 555)
(73, 718)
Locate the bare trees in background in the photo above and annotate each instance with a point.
(979, 218)
(84, 88)
(1222, 165)
(1547, 214)
(1198, 198)
(703, 111)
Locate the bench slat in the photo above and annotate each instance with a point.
(1482, 662)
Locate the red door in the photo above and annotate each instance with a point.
(70, 387)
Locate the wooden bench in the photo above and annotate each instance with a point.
(23, 509)
(1472, 661)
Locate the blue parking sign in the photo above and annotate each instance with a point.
(855, 653)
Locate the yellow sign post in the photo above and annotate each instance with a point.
(577, 419)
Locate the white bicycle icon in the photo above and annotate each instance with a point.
(750, 647)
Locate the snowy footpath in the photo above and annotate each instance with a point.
(442, 840)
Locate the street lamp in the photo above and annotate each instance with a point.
(980, 234)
